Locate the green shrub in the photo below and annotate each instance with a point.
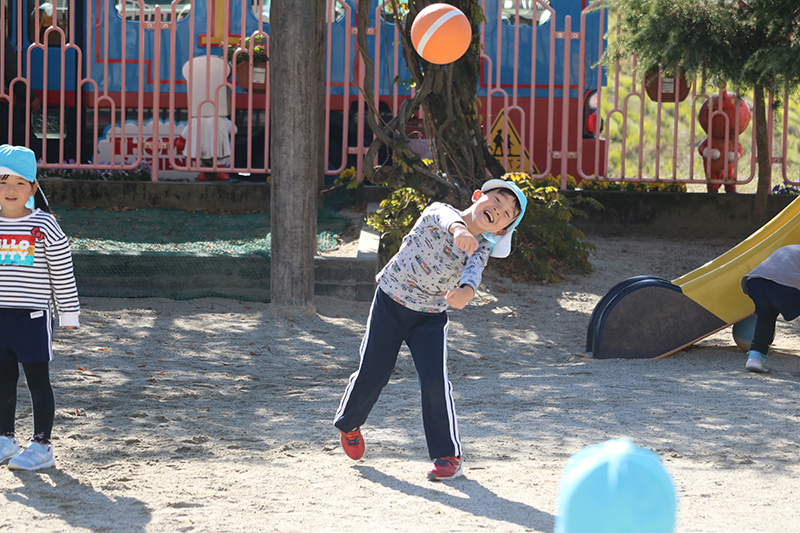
(348, 178)
(548, 181)
(633, 186)
(546, 245)
(259, 43)
(395, 217)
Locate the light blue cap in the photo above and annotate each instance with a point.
(501, 244)
(18, 161)
(615, 487)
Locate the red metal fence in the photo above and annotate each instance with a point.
(86, 124)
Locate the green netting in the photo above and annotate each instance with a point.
(170, 253)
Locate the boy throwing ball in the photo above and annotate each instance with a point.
(438, 265)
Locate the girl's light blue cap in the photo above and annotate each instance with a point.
(18, 161)
(615, 487)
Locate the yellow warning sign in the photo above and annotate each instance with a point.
(502, 139)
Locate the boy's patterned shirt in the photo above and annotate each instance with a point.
(429, 263)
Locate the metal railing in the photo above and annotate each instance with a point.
(98, 115)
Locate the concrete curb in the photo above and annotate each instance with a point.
(351, 278)
(672, 215)
(669, 215)
(664, 215)
(139, 194)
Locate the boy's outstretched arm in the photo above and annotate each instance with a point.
(460, 297)
(463, 238)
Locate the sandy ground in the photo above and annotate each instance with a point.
(216, 415)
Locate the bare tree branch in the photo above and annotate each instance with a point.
(447, 94)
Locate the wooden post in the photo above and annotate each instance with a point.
(764, 158)
(296, 74)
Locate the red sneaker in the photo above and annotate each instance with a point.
(202, 177)
(223, 176)
(445, 468)
(353, 444)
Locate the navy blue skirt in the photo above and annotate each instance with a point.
(26, 335)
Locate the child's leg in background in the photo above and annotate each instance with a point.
(9, 375)
(379, 350)
(766, 314)
(38, 377)
(428, 345)
(770, 299)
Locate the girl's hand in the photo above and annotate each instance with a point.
(460, 297)
(464, 239)
(69, 327)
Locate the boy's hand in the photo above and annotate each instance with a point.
(464, 239)
(460, 297)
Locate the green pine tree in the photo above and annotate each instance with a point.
(742, 45)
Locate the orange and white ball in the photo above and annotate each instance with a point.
(441, 33)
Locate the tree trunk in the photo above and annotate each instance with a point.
(296, 67)
(448, 96)
(452, 110)
(764, 158)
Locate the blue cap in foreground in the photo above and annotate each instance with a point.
(615, 487)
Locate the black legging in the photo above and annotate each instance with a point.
(44, 406)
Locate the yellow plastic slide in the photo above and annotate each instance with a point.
(716, 285)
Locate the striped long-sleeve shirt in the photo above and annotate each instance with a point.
(35, 265)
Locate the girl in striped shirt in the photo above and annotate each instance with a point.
(35, 268)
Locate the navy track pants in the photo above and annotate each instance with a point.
(771, 299)
(425, 334)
